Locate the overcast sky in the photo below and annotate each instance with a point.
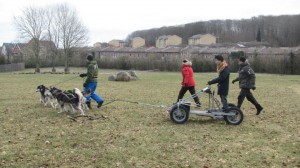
(115, 19)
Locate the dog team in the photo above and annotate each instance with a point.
(74, 100)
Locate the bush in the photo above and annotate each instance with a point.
(2, 60)
(139, 63)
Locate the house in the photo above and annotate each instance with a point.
(45, 54)
(118, 43)
(7, 52)
(168, 40)
(200, 39)
(46, 48)
(100, 45)
(97, 45)
(18, 52)
(138, 42)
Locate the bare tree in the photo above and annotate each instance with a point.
(30, 25)
(72, 31)
(52, 33)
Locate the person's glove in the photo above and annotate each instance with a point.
(84, 84)
(208, 83)
(83, 75)
(253, 88)
(233, 81)
(186, 85)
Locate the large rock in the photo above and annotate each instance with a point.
(133, 75)
(112, 78)
(123, 76)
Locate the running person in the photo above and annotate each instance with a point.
(91, 81)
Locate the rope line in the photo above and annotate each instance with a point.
(65, 81)
(117, 100)
(134, 102)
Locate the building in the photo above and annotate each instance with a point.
(118, 43)
(138, 42)
(100, 45)
(18, 52)
(97, 45)
(199, 39)
(46, 49)
(7, 51)
(169, 40)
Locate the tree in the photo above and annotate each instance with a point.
(53, 33)
(258, 36)
(30, 25)
(72, 31)
(277, 30)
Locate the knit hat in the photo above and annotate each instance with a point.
(187, 62)
(90, 57)
(219, 57)
(242, 59)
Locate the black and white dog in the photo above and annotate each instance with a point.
(73, 100)
(46, 96)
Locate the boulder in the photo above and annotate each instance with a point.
(112, 78)
(133, 75)
(123, 76)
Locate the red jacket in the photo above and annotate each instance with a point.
(188, 76)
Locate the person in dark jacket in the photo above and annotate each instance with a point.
(222, 80)
(246, 80)
(91, 81)
(188, 82)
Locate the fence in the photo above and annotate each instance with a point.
(12, 67)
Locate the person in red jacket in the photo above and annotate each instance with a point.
(188, 83)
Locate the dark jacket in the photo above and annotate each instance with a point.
(223, 82)
(92, 72)
(246, 77)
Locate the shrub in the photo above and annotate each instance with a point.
(2, 60)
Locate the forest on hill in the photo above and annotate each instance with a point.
(280, 31)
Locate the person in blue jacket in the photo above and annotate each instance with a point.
(91, 81)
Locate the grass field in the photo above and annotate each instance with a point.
(138, 136)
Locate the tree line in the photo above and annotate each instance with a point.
(280, 31)
(288, 64)
(58, 23)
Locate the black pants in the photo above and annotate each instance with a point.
(192, 91)
(224, 101)
(246, 93)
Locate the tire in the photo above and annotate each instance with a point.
(179, 115)
(237, 118)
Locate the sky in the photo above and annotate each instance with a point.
(115, 19)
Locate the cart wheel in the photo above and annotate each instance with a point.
(179, 115)
(234, 119)
(231, 105)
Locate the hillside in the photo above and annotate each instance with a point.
(277, 30)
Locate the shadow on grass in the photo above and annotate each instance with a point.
(207, 121)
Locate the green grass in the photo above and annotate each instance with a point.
(137, 136)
